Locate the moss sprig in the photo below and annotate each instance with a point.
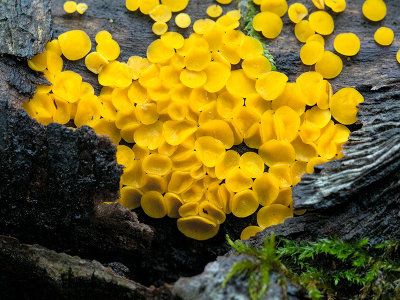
(324, 267)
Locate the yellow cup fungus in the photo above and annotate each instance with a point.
(347, 44)
(74, 44)
(184, 106)
(321, 22)
(320, 4)
(336, 5)
(398, 56)
(81, 8)
(343, 105)
(70, 7)
(297, 12)
(269, 23)
(384, 36)
(311, 52)
(183, 20)
(214, 11)
(329, 66)
(374, 10)
(303, 30)
(159, 28)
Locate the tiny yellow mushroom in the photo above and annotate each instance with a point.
(54, 46)
(210, 211)
(304, 152)
(284, 197)
(157, 164)
(173, 39)
(102, 35)
(134, 175)
(343, 105)
(271, 84)
(217, 75)
(244, 203)
(330, 65)
(239, 84)
(81, 8)
(286, 123)
(313, 162)
(249, 232)
(214, 11)
(256, 66)
(95, 62)
(384, 36)
(132, 5)
(269, 23)
(161, 13)
(125, 156)
(193, 79)
(398, 56)
(320, 4)
(69, 7)
(159, 28)
(149, 135)
(130, 197)
(74, 44)
(336, 5)
(321, 22)
(172, 203)
(38, 62)
(282, 174)
(197, 227)
(250, 48)
(180, 182)
(311, 52)
(229, 162)
(251, 164)
(374, 10)
(316, 38)
(266, 187)
(209, 150)
(347, 44)
(158, 51)
(175, 5)
(297, 12)
(67, 86)
(153, 204)
(276, 152)
(109, 49)
(183, 20)
(219, 130)
(175, 132)
(303, 30)
(278, 7)
(237, 180)
(273, 214)
(189, 209)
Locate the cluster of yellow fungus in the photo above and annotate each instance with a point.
(161, 13)
(183, 107)
(71, 6)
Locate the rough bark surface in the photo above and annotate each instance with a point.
(34, 272)
(24, 26)
(53, 178)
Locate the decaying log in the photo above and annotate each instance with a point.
(34, 272)
(53, 179)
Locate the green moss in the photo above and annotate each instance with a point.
(325, 267)
(248, 10)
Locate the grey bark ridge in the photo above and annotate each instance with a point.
(38, 273)
(24, 27)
